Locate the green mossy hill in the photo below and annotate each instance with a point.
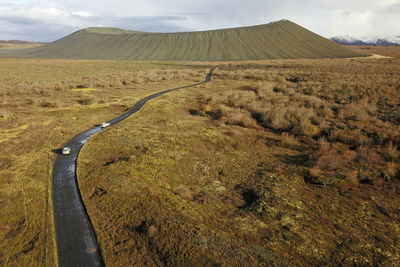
(276, 40)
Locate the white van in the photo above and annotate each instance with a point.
(66, 150)
(105, 124)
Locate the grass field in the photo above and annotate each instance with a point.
(279, 161)
(390, 51)
(44, 103)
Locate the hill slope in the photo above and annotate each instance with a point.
(281, 39)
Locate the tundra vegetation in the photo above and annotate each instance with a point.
(286, 162)
(44, 103)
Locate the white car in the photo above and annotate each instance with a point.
(66, 150)
(105, 124)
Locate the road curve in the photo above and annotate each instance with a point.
(75, 237)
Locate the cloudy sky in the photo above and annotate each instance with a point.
(48, 20)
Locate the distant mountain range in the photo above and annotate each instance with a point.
(371, 40)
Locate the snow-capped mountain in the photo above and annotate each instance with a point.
(369, 40)
(347, 40)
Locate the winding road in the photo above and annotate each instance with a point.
(76, 239)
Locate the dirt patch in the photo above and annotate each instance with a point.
(116, 159)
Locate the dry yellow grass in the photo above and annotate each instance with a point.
(39, 112)
(196, 177)
(389, 51)
(83, 89)
(4, 46)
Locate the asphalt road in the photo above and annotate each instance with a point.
(76, 239)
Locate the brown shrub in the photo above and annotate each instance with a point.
(223, 110)
(240, 117)
(305, 127)
(281, 79)
(315, 171)
(324, 111)
(354, 137)
(265, 89)
(139, 80)
(356, 111)
(348, 155)
(319, 177)
(391, 170)
(367, 155)
(310, 101)
(324, 145)
(276, 118)
(289, 140)
(352, 178)
(272, 107)
(329, 160)
(392, 152)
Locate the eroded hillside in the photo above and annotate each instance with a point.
(281, 39)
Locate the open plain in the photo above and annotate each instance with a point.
(43, 104)
(286, 162)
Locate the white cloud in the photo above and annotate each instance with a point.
(82, 14)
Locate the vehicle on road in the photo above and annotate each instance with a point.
(66, 150)
(105, 124)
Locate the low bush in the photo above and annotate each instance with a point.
(352, 112)
(391, 152)
(391, 170)
(349, 137)
(367, 155)
(280, 110)
(329, 160)
(240, 117)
